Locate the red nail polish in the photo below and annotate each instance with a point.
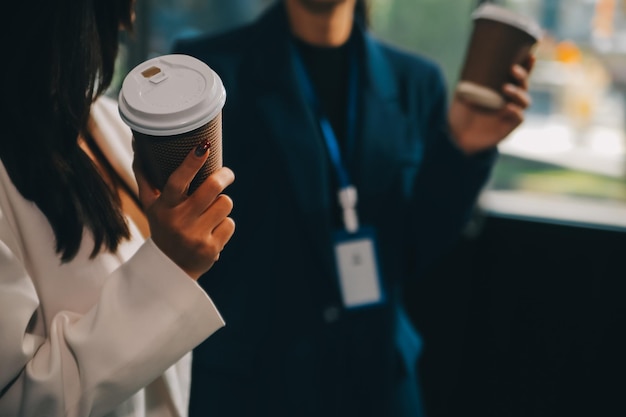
(202, 148)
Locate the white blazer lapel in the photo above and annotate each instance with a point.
(114, 139)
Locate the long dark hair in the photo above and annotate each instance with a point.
(61, 56)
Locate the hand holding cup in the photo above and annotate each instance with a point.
(191, 230)
(173, 105)
(476, 128)
(492, 93)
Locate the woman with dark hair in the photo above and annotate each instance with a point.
(99, 307)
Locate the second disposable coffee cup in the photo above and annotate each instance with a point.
(173, 104)
(500, 39)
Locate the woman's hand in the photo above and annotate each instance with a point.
(476, 129)
(191, 229)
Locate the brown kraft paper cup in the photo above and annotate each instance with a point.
(500, 39)
(173, 104)
(161, 155)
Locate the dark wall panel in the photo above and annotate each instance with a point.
(525, 319)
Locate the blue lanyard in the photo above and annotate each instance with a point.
(347, 195)
(328, 133)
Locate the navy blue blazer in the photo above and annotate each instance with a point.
(289, 348)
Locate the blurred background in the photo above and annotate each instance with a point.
(525, 316)
(565, 163)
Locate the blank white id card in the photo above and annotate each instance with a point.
(357, 268)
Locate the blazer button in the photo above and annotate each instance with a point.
(331, 314)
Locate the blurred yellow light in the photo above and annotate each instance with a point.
(567, 52)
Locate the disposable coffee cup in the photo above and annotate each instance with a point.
(500, 39)
(173, 103)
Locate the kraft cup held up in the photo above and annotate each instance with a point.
(500, 39)
(173, 103)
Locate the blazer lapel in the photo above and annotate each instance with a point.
(384, 127)
(114, 139)
(293, 128)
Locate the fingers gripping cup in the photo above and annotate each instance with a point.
(500, 39)
(173, 103)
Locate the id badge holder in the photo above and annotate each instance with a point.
(357, 268)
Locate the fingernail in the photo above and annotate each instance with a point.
(202, 148)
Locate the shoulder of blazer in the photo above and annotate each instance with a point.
(419, 81)
(234, 43)
(408, 64)
(226, 43)
(251, 59)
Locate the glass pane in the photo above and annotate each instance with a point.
(438, 29)
(571, 146)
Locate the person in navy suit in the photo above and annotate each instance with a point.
(353, 175)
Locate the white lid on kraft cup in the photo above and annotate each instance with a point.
(169, 95)
(500, 14)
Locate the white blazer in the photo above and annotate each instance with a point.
(109, 336)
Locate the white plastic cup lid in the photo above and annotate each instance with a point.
(170, 95)
(492, 12)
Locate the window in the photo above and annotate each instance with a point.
(567, 159)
